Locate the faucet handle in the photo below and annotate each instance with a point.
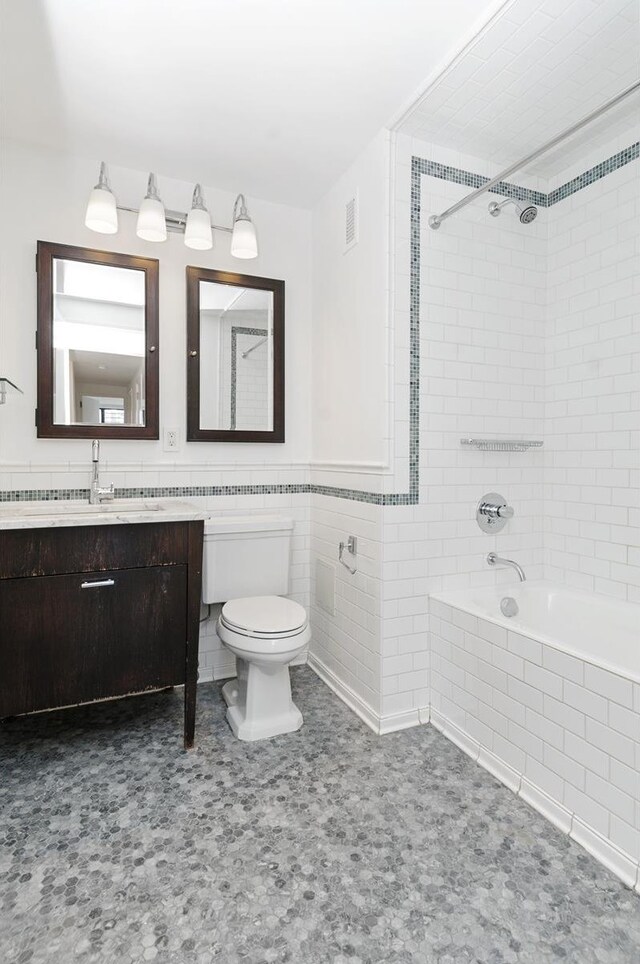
(505, 512)
(492, 512)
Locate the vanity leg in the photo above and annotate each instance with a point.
(190, 713)
(194, 585)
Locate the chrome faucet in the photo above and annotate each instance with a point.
(98, 493)
(495, 560)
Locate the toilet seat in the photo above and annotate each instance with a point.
(263, 649)
(264, 617)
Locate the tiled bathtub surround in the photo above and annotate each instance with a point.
(592, 373)
(471, 308)
(558, 730)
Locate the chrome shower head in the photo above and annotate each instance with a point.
(526, 212)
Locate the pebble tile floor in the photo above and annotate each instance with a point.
(327, 845)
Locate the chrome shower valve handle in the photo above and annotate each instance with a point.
(492, 512)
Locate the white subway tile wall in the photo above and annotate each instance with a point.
(592, 410)
(345, 646)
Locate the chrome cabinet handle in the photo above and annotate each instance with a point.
(97, 583)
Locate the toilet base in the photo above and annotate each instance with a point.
(259, 701)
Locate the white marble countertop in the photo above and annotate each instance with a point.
(48, 515)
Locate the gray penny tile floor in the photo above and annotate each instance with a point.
(327, 845)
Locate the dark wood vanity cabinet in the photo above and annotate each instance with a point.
(93, 612)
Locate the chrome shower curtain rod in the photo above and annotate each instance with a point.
(436, 219)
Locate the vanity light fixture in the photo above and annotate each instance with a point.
(244, 243)
(102, 213)
(197, 232)
(154, 222)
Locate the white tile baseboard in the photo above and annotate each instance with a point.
(346, 694)
(380, 725)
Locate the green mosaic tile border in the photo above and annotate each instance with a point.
(193, 491)
(235, 331)
(458, 175)
(595, 173)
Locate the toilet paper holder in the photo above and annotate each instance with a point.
(350, 546)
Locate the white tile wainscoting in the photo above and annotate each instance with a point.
(560, 732)
(345, 646)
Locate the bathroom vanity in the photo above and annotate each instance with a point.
(98, 602)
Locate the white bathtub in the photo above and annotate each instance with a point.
(549, 702)
(595, 628)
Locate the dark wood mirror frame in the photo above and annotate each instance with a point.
(47, 428)
(194, 432)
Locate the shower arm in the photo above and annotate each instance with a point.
(436, 219)
(253, 347)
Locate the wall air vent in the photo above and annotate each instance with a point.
(351, 222)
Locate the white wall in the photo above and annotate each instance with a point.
(351, 417)
(350, 311)
(43, 197)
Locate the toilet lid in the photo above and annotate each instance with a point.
(272, 615)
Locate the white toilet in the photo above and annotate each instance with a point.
(246, 566)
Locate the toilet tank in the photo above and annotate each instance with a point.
(245, 556)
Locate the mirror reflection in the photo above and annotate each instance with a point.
(236, 358)
(98, 344)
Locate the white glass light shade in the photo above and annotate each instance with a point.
(198, 230)
(102, 215)
(151, 224)
(244, 243)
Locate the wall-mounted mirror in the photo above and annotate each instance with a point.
(97, 344)
(235, 357)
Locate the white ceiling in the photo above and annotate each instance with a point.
(536, 70)
(99, 368)
(271, 97)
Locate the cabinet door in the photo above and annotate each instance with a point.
(75, 638)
